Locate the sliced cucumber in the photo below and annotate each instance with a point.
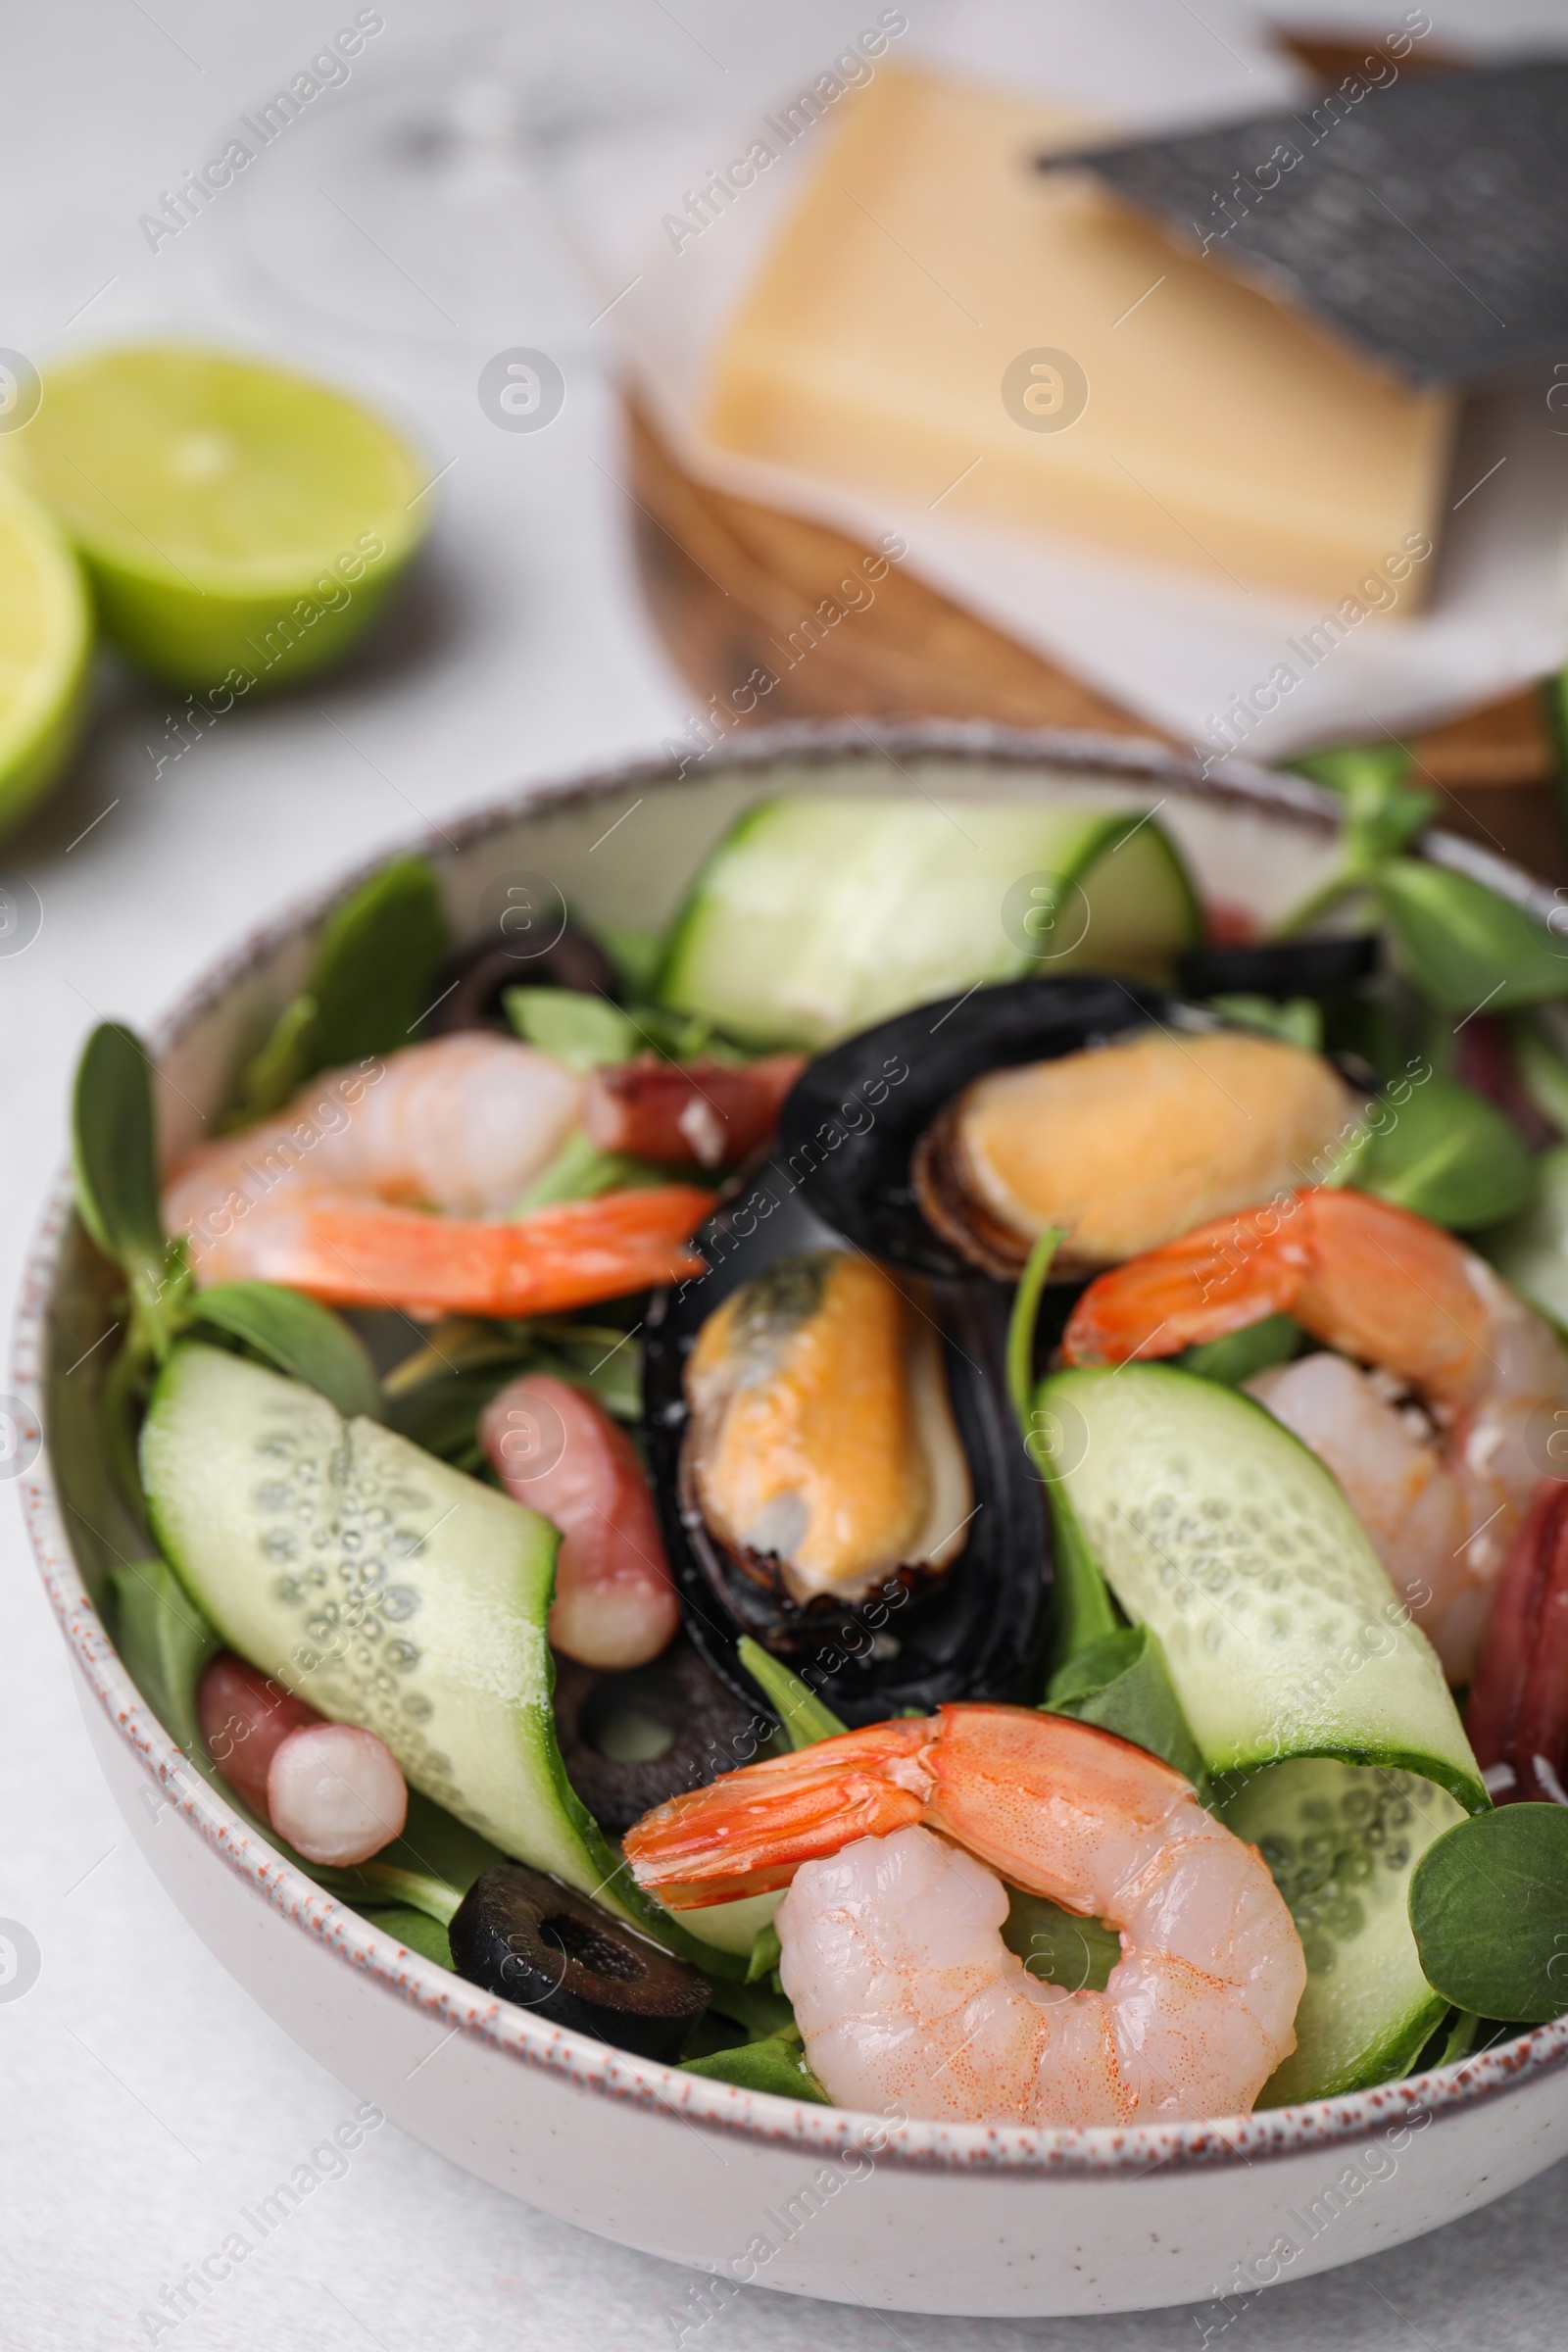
(819, 915)
(383, 1587)
(1212, 1524)
(1343, 1842)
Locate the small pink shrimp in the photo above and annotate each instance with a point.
(334, 1195)
(890, 1937)
(555, 1450)
(1433, 1445)
(333, 1791)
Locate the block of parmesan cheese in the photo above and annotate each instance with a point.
(943, 323)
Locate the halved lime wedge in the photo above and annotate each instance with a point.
(45, 638)
(234, 518)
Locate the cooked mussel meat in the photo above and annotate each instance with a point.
(823, 1453)
(1124, 1147)
(838, 1469)
(947, 1140)
(527, 1938)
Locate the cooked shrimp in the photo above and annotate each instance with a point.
(1432, 1443)
(334, 1195)
(890, 1939)
(556, 1451)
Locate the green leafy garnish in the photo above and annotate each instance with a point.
(1541, 1066)
(298, 1336)
(1121, 1683)
(1297, 1022)
(636, 951)
(113, 1152)
(1383, 813)
(1488, 1908)
(1466, 948)
(1274, 1340)
(1531, 1251)
(1057, 1947)
(114, 1158)
(585, 1032)
(371, 984)
(1021, 1324)
(805, 1718)
(778, 2065)
(763, 2014)
(1447, 1154)
(767, 1952)
(165, 1641)
(416, 1929)
(580, 1171)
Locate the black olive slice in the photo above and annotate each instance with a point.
(482, 971)
(850, 1127)
(1280, 967)
(631, 1740)
(527, 1938)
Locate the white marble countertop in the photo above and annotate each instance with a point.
(143, 2099)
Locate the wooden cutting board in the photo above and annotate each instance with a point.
(740, 592)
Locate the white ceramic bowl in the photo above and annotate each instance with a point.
(916, 2217)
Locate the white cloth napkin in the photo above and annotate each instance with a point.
(1169, 645)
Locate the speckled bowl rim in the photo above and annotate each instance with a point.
(515, 2033)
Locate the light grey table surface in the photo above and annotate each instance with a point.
(143, 2098)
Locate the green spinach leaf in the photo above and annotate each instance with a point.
(115, 1150)
(763, 2014)
(377, 967)
(778, 2065)
(580, 1171)
(1447, 1154)
(805, 1718)
(1383, 813)
(416, 1929)
(1121, 1683)
(1057, 1947)
(1021, 1325)
(165, 1641)
(1531, 1251)
(1275, 1339)
(301, 1336)
(767, 1952)
(1489, 1909)
(371, 984)
(585, 1032)
(1465, 947)
(1297, 1022)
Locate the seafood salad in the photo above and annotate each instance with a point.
(892, 1512)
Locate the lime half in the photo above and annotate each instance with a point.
(45, 638)
(241, 525)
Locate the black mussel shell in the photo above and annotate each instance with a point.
(849, 1126)
(676, 1700)
(1282, 967)
(527, 1938)
(977, 1631)
(482, 971)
